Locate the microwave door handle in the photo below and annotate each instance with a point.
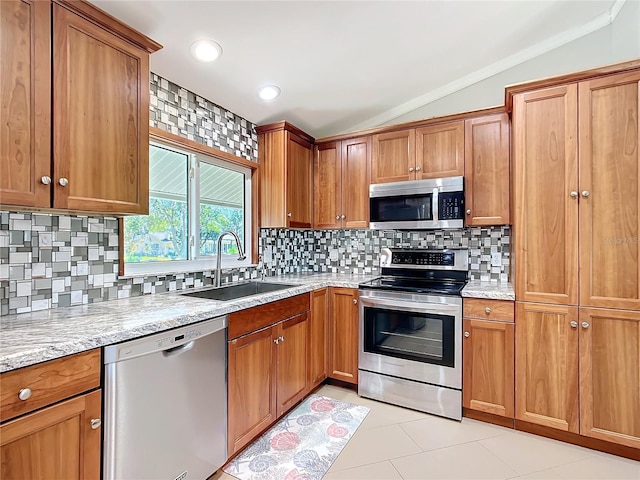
(435, 205)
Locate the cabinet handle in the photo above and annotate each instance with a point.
(466, 334)
(355, 301)
(585, 193)
(574, 194)
(573, 324)
(343, 217)
(282, 338)
(585, 325)
(337, 217)
(469, 212)
(96, 423)
(45, 179)
(487, 310)
(63, 182)
(24, 394)
(289, 214)
(276, 340)
(411, 169)
(417, 169)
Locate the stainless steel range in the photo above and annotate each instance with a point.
(411, 331)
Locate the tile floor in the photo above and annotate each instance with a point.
(396, 443)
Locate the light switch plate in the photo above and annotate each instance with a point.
(496, 259)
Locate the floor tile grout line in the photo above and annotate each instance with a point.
(497, 457)
(448, 446)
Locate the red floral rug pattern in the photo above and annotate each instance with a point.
(303, 445)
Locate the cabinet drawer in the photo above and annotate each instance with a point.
(251, 319)
(49, 382)
(486, 309)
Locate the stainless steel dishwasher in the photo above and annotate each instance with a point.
(165, 407)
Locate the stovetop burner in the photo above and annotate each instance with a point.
(415, 285)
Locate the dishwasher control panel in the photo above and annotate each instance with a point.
(172, 340)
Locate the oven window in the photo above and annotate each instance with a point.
(403, 208)
(422, 337)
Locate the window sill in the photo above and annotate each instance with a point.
(177, 270)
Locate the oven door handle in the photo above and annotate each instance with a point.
(409, 306)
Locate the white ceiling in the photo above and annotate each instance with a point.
(345, 65)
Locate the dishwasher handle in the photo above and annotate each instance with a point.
(172, 352)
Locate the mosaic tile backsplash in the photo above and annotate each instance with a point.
(181, 112)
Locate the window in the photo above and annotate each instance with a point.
(193, 198)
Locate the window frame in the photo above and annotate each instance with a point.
(198, 153)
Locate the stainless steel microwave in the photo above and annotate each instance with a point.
(417, 204)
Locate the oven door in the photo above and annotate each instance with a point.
(411, 336)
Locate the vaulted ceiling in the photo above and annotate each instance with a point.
(353, 64)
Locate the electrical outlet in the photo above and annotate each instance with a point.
(496, 259)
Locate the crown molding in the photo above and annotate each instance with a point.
(502, 65)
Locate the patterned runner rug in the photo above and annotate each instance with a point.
(303, 444)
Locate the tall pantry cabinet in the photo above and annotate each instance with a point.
(576, 215)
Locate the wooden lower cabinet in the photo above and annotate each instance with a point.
(610, 375)
(293, 361)
(488, 363)
(547, 365)
(55, 443)
(318, 337)
(343, 336)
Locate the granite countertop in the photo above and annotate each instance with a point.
(493, 290)
(30, 338)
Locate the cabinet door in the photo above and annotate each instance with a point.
(25, 96)
(252, 386)
(488, 365)
(293, 357)
(609, 175)
(545, 212)
(610, 375)
(56, 443)
(394, 156)
(547, 365)
(486, 170)
(319, 337)
(299, 182)
(101, 119)
(326, 185)
(343, 337)
(440, 150)
(356, 165)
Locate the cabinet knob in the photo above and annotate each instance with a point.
(289, 214)
(276, 340)
(573, 324)
(466, 334)
(411, 169)
(45, 179)
(343, 217)
(469, 211)
(574, 194)
(487, 310)
(585, 193)
(95, 423)
(63, 182)
(585, 325)
(337, 217)
(355, 301)
(417, 169)
(24, 394)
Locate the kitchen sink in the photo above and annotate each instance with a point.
(239, 290)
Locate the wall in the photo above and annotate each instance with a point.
(617, 42)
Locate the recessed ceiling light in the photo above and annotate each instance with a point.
(205, 50)
(268, 92)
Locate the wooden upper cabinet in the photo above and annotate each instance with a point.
(547, 365)
(486, 170)
(394, 156)
(356, 174)
(327, 185)
(25, 96)
(101, 118)
(609, 175)
(343, 337)
(55, 443)
(610, 375)
(285, 154)
(440, 150)
(545, 212)
(293, 361)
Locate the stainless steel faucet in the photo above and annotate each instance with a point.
(241, 257)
